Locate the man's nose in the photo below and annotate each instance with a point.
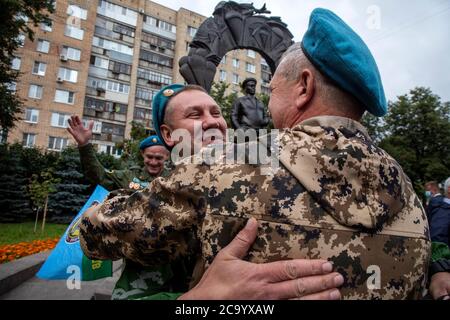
(210, 122)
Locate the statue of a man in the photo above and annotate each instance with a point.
(248, 112)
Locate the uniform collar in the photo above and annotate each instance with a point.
(335, 121)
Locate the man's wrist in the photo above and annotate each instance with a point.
(441, 265)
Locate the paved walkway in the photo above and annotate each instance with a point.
(17, 282)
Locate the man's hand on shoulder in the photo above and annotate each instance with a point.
(230, 277)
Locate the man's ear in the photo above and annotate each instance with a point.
(166, 133)
(305, 87)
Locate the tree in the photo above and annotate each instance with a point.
(14, 197)
(14, 17)
(72, 191)
(41, 186)
(131, 154)
(418, 136)
(224, 101)
(375, 127)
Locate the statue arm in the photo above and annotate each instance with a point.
(235, 114)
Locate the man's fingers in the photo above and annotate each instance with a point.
(332, 294)
(242, 242)
(91, 124)
(292, 269)
(77, 121)
(70, 130)
(303, 287)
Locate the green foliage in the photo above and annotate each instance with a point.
(224, 101)
(131, 154)
(12, 24)
(17, 232)
(14, 198)
(417, 135)
(109, 162)
(41, 186)
(72, 191)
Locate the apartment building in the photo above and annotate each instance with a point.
(104, 61)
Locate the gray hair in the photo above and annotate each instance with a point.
(294, 61)
(446, 186)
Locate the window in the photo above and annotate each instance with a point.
(97, 128)
(145, 94)
(250, 67)
(59, 120)
(56, 143)
(117, 67)
(191, 31)
(154, 77)
(117, 87)
(224, 60)
(43, 46)
(158, 41)
(99, 62)
(236, 63)
(31, 115)
(68, 74)
(151, 21)
(39, 68)
(35, 91)
(63, 96)
(223, 75)
(76, 11)
(166, 26)
(74, 32)
(29, 139)
(96, 83)
(46, 27)
(251, 53)
(71, 53)
(11, 86)
(235, 78)
(21, 40)
(119, 28)
(15, 63)
(156, 58)
(264, 62)
(111, 45)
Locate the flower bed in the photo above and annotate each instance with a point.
(11, 252)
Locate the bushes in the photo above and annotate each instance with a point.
(19, 164)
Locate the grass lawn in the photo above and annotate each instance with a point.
(19, 232)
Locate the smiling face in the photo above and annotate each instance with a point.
(192, 108)
(154, 158)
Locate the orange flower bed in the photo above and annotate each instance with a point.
(11, 252)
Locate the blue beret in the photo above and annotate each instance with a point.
(159, 105)
(150, 142)
(339, 53)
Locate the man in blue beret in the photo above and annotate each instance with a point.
(336, 196)
(152, 150)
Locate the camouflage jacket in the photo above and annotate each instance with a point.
(337, 197)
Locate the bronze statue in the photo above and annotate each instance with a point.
(248, 112)
(233, 26)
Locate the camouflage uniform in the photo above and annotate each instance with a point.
(137, 281)
(336, 197)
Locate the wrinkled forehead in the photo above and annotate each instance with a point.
(192, 98)
(155, 150)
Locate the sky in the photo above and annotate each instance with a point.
(410, 39)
